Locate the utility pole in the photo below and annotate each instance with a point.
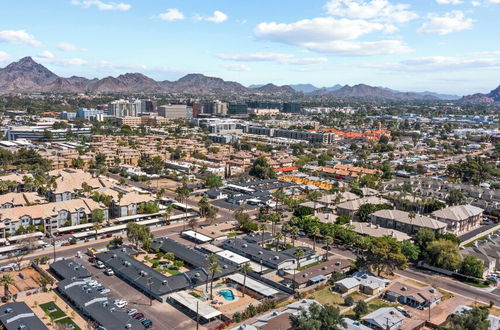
(150, 282)
(197, 316)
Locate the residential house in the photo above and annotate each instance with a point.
(18, 315)
(386, 318)
(318, 273)
(460, 219)
(404, 222)
(69, 182)
(362, 282)
(350, 208)
(20, 199)
(413, 296)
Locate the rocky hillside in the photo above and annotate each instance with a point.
(491, 97)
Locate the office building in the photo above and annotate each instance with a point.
(175, 111)
(237, 109)
(148, 106)
(123, 108)
(291, 107)
(90, 114)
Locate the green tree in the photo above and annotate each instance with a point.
(6, 280)
(444, 254)
(97, 215)
(384, 254)
(348, 301)
(245, 269)
(96, 227)
(423, 237)
(213, 181)
(360, 309)
(214, 268)
(318, 317)
(410, 250)
(261, 169)
(473, 319)
(328, 242)
(456, 197)
(472, 266)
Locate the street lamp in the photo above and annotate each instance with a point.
(150, 282)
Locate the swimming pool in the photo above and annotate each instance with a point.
(227, 294)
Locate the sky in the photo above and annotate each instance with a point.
(447, 46)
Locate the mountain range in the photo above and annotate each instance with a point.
(28, 76)
(491, 97)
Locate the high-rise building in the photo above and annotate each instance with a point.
(215, 108)
(291, 107)
(90, 114)
(148, 106)
(237, 108)
(175, 111)
(123, 108)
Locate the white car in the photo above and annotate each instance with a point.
(105, 290)
(109, 272)
(132, 311)
(121, 303)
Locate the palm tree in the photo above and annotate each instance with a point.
(313, 196)
(294, 231)
(279, 196)
(245, 269)
(6, 280)
(328, 242)
(278, 236)
(96, 226)
(299, 254)
(262, 228)
(314, 232)
(214, 267)
(168, 212)
(285, 229)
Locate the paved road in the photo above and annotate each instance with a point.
(476, 294)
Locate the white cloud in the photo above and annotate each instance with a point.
(101, 5)
(380, 10)
(48, 57)
(238, 67)
(449, 22)
(172, 14)
(442, 63)
(359, 48)
(494, 1)
(68, 47)
(316, 30)
(475, 3)
(18, 37)
(449, 2)
(281, 58)
(4, 57)
(217, 17)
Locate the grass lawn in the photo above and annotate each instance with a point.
(446, 294)
(310, 265)
(57, 314)
(172, 271)
(379, 303)
(69, 322)
(358, 296)
(326, 297)
(477, 285)
(232, 234)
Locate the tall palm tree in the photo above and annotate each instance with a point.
(278, 236)
(214, 267)
(299, 254)
(6, 280)
(262, 228)
(245, 269)
(294, 231)
(279, 196)
(96, 226)
(328, 242)
(313, 196)
(168, 212)
(285, 229)
(314, 232)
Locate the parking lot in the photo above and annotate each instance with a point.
(163, 315)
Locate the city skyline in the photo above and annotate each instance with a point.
(404, 45)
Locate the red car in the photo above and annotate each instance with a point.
(138, 316)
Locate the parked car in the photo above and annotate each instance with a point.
(138, 315)
(120, 303)
(405, 312)
(105, 291)
(109, 272)
(147, 323)
(132, 311)
(100, 265)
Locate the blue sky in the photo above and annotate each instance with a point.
(450, 46)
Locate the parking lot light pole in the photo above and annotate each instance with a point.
(150, 282)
